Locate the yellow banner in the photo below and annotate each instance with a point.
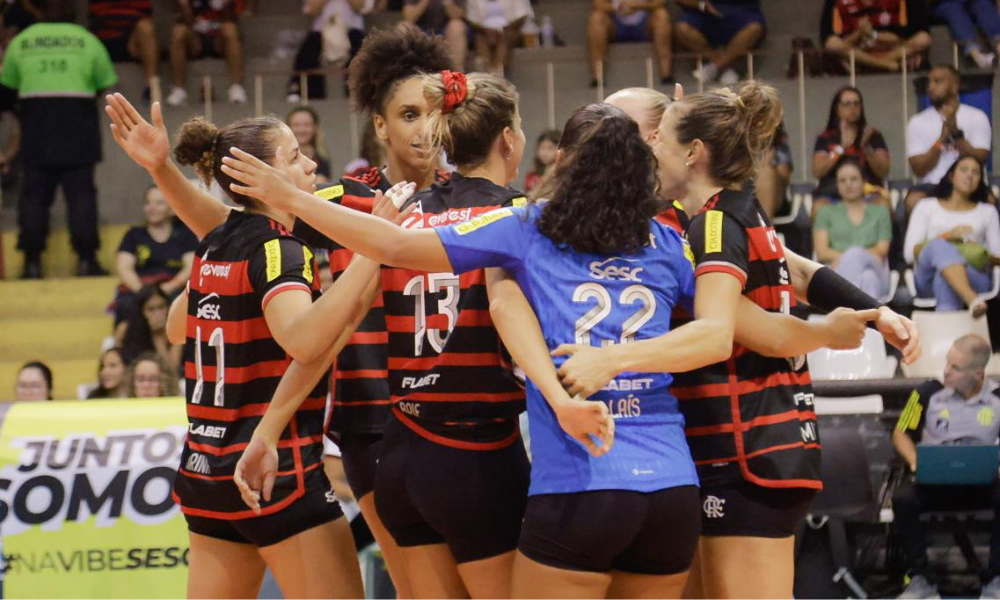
(85, 504)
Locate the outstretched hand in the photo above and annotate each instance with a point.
(386, 206)
(272, 185)
(148, 144)
(900, 332)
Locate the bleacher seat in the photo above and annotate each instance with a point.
(931, 302)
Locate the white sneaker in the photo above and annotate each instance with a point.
(178, 96)
(983, 60)
(708, 73)
(237, 95)
(729, 77)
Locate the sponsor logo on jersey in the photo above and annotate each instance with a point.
(519, 202)
(209, 310)
(483, 220)
(714, 507)
(410, 408)
(329, 193)
(210, 270)
(606, 271)
(419, 382)
(210, 431)
(985, 416)
(628, 385)
(272, 257)
(688, 253)
(198, 463)
(713, 231)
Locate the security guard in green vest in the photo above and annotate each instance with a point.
(58, 68)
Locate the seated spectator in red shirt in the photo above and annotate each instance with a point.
(545, 158)
(631, 21)
(159, 252)
(722, 31)
(878, 31)
(206, 28)
(126, 29)
(847, 133)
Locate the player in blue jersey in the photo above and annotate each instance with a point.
(600, 271)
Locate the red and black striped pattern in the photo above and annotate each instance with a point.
(232, 366)
(750, 417)
(445, 368)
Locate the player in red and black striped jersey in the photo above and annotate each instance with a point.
(250, 295)
(453, 475)
(750, 422)
(384, 81)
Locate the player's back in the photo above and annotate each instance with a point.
(232, 365)
(445, 370)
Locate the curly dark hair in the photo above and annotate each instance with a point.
(387, 57)
(602, 193)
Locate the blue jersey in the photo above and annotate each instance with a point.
(598, 300)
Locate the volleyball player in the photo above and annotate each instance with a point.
(757, 446)
(453, 469)
(384, 82)
(249, 312)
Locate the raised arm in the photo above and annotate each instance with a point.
(376, 238)
(149, 146)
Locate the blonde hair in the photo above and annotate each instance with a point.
(655, 102)
(466, 133)
(736, 127)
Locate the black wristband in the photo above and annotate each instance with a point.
(828, 291)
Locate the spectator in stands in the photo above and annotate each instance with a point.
(61, 141)
(962, 17)
(879, 32)
(631, 21)
(939, 134)
(34, 382)
(18, 15)
(962, 409)
(126, 28)
(304, 123)
(442, 17)
(158, 252)
(496, 30)
(853, 236)
(110, 376)
(146, 330)
(149, 377)
(722, 31)
(953, 239)
(774, 173)
(847, 133)
(206, 28)
(545, 158)
(338, 30)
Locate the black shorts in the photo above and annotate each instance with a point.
(471, 500)
(360, 453)
(748, 510)
(316, 507)
(654, 533)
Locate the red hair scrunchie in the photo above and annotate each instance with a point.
(456, 87)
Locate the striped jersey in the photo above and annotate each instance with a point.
(750, 417)
(674, 216)
(445, 369)
(361, 385)
(232, 366)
